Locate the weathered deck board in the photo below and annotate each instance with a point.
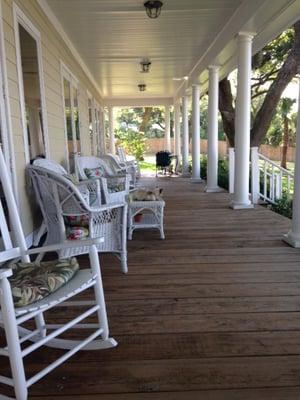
(211, 313)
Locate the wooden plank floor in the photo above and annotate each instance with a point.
(211, 313)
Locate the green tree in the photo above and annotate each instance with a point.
(150, 120)
(273, 68)
(285, 105)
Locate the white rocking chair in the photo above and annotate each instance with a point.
(12, 318)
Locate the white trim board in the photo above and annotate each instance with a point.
(21, 19)
(57, 25)
(9, 151)
(138, 102)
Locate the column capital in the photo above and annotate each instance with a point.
(245, 36)
(214, 67)
(196, 85)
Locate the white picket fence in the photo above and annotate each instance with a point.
(269, 181)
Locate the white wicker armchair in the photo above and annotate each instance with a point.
(89, 189)
(115, 187)
(117, 165)
(60, 200)
(132, 163)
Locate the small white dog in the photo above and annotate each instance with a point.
(145, 194)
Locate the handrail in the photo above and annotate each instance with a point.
(274, 180)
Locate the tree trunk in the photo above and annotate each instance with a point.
(285, 142)
(227, 110)
(146, 119)
(289, 69)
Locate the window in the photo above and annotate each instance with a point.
(91, 125)
(97, 128)
(72, 120)
(5, 140)
(31, 86)
(94, 115)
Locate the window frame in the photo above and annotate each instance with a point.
(67, 74)
(21, 19)
(6, 124)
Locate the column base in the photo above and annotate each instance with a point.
(240, 206)
(196, 180)
(213, 189)
(290, 239)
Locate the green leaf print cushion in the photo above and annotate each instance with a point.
(31, 282)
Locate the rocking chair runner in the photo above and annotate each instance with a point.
(12, 318)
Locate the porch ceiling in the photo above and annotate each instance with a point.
(113, 36)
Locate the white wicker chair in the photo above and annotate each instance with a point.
(18, 337)
(90, 189)
(111, 178)
(59, 199)
(115, 164)
(132, 163)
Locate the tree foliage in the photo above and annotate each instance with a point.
(273, 68)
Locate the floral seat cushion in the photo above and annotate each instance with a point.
(77, 232)
(94, 173)
(115, 187)
(77, 220)
(32, 282)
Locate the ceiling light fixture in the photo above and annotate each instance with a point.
(145, 66)
(153, 8)
(142, 87)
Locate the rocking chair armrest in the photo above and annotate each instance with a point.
(65, 245)
(5, 272)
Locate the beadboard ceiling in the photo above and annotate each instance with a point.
(113, 36)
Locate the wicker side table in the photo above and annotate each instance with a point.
(146, 215)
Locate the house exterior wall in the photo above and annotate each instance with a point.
(54, 51)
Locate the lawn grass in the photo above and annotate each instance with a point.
(147, 166)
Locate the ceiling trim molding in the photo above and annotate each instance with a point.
(138, 102)
(59, 28)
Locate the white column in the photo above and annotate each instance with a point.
(196, 134)
(231, 169)
(167, 129)
(212, 133)
(177, 129)
(293, 236)
(112, 146)
(185, 137)
(242, 124)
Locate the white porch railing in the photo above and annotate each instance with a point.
(269, 181)
(274, 180)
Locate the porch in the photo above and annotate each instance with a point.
(213, 312)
